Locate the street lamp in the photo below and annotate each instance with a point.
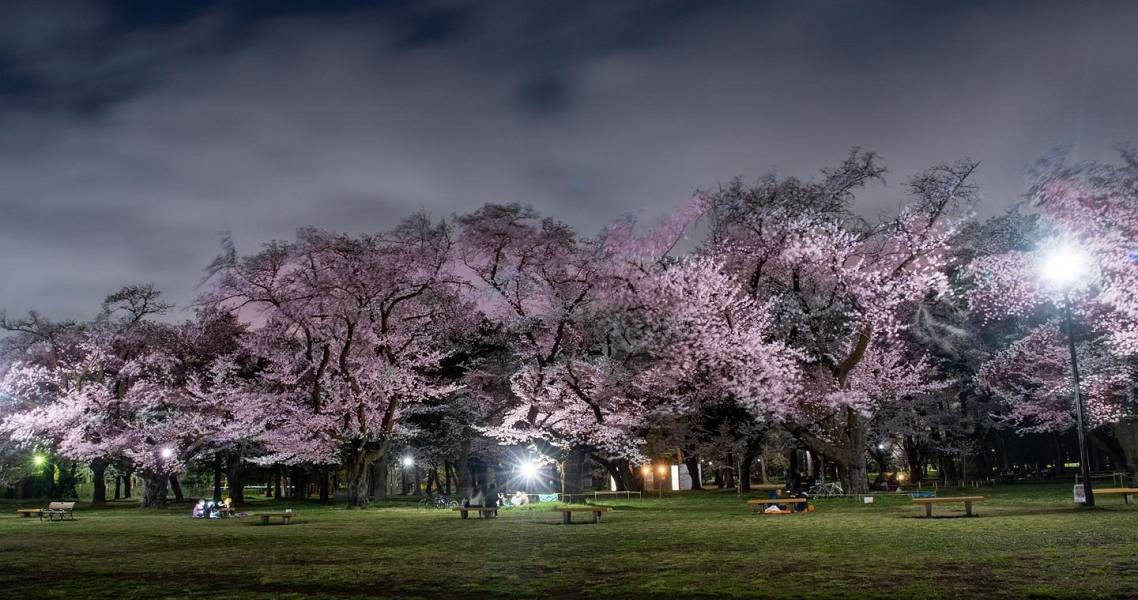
(1063, 267)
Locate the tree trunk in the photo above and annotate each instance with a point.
(464, 471)
(323, 483)
(217, 477)
(277, 482)
(1126, 435)
(620, 470)
(446, 477)
(99, 480)
(299, 479)
(692, 463)
(49, 480)
(177, 487)
(118, 487)
(378, 476)
(233, 476)
(154, 494)
(915, 458)
(573, 472)
(745, 471)
(358, 466)
(127, 483)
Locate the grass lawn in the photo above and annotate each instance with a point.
(1029, 541)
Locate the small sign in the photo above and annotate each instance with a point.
(1080, 495)
(867, 499)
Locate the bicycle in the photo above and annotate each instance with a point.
(437, 502)
(826, 490)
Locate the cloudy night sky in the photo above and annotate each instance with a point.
(133, 133)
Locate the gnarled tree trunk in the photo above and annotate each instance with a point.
(154, 494)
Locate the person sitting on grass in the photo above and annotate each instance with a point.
(775, 508)
(520, 498)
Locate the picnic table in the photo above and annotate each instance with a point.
(486, 512)
(760, 504)
(967, 500)
(567, 512)
(1127, 493)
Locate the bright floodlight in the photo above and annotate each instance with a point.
(167, 452)
(645, 469)
(528, 470)
(408, 461)
(38, 460)
(1064, 265)
(662, 469)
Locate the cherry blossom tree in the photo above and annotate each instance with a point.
(348, 329)
(843, 290)
(131, 392)
(1093, 209)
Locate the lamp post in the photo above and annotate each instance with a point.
(1064, 266)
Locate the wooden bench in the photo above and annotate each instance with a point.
(760, 504)
(485, 511)
(285, 517)
(567, 512)
(27, 512)
(967, 500)
(1127, 493)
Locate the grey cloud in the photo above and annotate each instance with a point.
(351, 121)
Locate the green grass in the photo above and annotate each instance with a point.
(1028, 541)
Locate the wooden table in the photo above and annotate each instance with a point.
(285, 517)
(567, 512)
(967, 500)
(760, 504)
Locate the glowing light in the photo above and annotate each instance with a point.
(881, 446)
(167, 452)
(528, 470)
(1064, 265)
(38, 460)
(900, 477)
(661, 469)
(645, 469)
(408, 461)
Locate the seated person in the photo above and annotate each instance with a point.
(199, 510)
(519, 498)
(774, 494)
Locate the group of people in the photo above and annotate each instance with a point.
(209, 509)
(797, 487)
(492, 498)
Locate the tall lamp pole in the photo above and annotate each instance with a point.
(1084, 455)
(1065, 266)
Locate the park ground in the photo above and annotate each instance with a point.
(1029, 541)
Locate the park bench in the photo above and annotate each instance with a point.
(27, 512)
(1127, 493)
(760, 504)
(567, 512)
(967, 500)
(485, 511)
(285, 517)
